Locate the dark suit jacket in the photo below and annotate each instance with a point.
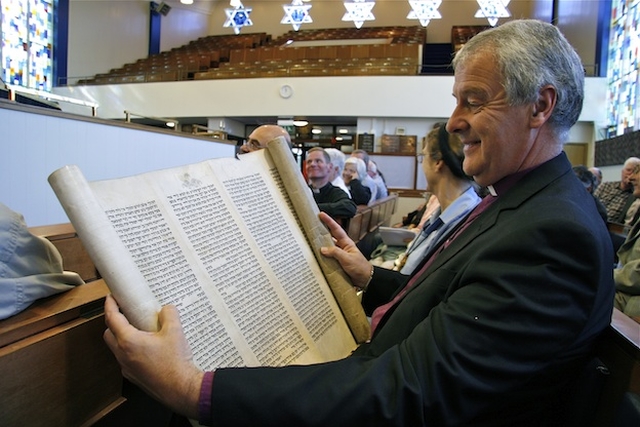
(488, 336)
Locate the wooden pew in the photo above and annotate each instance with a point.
(369, 218)
(619, 350)
(55, 369)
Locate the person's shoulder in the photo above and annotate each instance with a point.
(608, 187)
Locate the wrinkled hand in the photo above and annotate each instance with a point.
(158, 362)
(346, 253)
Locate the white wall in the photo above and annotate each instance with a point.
(108, 34)
(40, 144)
(403, 97)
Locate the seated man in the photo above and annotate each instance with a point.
(617, 195)
(330, 199)
(493, 329)
(30, 266)
(258, 139)
(627, 273)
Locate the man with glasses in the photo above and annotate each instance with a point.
(261, 135)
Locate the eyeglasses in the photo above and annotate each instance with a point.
(254, 145)
(419, 157)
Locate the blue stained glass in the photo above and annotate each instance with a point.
(297, 15)
(622, 75)
(240, 18)
(27, 39)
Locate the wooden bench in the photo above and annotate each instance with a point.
(55, 368)
(369, 218)
(619, 350)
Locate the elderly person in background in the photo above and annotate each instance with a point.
(337, 161)
(354, 171)
(366, 180)
(617, 195)
(626, 275)
(376, 177)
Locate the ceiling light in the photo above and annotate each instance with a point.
(300, 123)
(186, 1)
(316, 131)
(170, 124)
(343, 131)
(339, 138)
(285, 122)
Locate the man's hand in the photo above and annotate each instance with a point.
(158, 362)
(347, 253)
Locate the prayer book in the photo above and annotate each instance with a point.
(234, 243)
(392, 236)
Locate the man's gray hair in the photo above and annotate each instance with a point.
(532, 54)
(631, 161)
(337, 158)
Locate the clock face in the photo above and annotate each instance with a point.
(286, 91)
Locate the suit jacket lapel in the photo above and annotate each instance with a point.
(529, 185)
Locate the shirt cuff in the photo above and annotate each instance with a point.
(204, 403)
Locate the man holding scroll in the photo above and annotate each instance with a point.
(488, 331)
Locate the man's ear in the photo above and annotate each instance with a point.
(543, 107)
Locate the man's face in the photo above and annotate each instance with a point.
(256, 141)
(496, 136)
(626, 175)
(634, 179)
(317, 167)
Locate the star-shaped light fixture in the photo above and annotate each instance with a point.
(424, 10)
(359, 11)
(237, 17)
(492, 10)
(296, 14)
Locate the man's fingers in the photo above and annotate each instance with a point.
(113, 318)
(169, 318)
(337, 232)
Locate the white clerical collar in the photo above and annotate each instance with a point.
(492, 191)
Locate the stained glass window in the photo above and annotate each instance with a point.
(27, 38)
(622, 73)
